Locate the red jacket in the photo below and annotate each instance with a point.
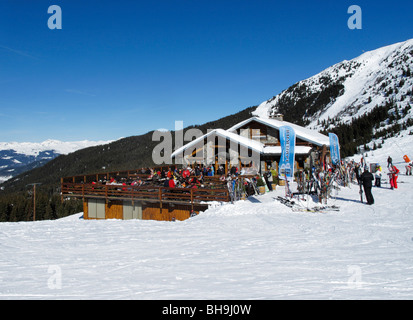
(186, 173)
(171, 183)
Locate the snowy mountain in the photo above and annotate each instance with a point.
(18, 157)
(381, 78)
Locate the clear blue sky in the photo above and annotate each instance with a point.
(122, 68)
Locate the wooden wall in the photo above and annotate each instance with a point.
(114, 209)
(169, 212)
(150, 211)
(85, 210)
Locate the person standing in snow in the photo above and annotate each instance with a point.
(267, 177)
(394, 173)
(377, 183)
(366, 179)
(409, 169)
(362, 163)
(389, 162)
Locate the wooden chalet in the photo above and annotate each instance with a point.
(260, 136)
(151, 201)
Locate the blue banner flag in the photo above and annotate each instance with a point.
(334, 148)
(287, 140)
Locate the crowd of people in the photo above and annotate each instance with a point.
(168, 178)
(198, 176)
(173, 177)
(366, 178)
(360, 172)
(366, 175)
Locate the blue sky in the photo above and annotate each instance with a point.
(123, 68)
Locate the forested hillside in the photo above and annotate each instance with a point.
(124, 154)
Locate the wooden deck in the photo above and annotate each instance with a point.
(105, 200)
(144, 193)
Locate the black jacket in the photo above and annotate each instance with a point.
(366, 179)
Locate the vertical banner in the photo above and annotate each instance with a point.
(334, 148)
(287, 140)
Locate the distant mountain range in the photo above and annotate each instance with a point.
(18, 157)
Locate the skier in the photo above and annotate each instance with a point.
(366, 179)
(362, 163)
(409, 169)
(393, 177)
(389, 162)
(268, 179)
(377, 183)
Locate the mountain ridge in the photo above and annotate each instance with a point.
(364, 100)
(354, 78)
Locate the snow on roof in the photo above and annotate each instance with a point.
(301, 132)
(277, 150)
(255, 145)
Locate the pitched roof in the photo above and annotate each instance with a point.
(301, 132)
(254, 145)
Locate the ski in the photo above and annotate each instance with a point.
(307, 210)
(287, 202)
(328, 208)
(296, 207)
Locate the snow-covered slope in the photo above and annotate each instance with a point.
(257, 249)
(253, 249)
(18, 157)
(350, 88)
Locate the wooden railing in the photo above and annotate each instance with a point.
(125, 174)
(144, 193)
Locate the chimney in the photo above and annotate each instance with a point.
(277, 116)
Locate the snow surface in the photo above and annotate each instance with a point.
(253, 249)
(361, 84)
